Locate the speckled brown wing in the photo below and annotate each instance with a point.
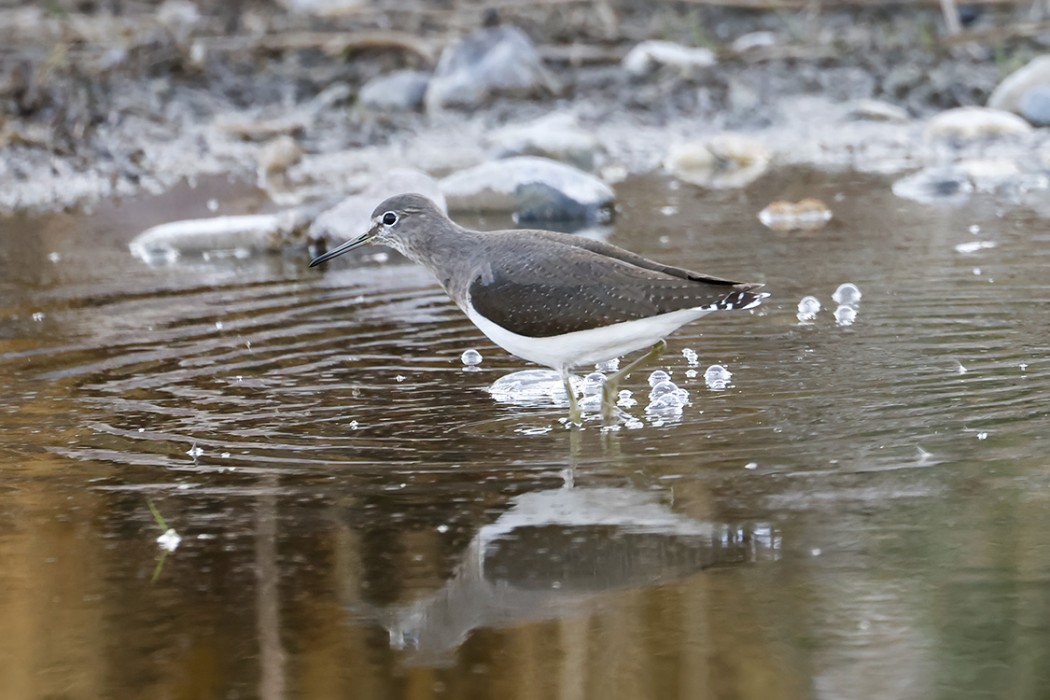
(545, 286)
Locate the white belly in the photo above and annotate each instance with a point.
(562, 352)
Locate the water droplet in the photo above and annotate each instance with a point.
(690, 356)
(669, 210)
(974, 229)
(982, 435)
(974, 246)
(976, 272)
(658, 376)
(751, 466)
(608, 366)
(808, 308)
(816, 552)
(717, 377)
(625, 400)
(633, 423)
(470, 357)
(54, 257)
(38, 316)
(225, 455)
(960, 368)
(354, 425)
(847, 293)
(400, 378)
(195, 451)
(1023, 366)
(213, 205)
(170, 540)
(442, 529)
(845, 315)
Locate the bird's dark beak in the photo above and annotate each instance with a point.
(346, 247)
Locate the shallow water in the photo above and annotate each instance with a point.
(862, 512)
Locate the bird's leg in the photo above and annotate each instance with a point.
(575, 417)
(612, 383)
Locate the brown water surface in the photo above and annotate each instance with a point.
(864, 512)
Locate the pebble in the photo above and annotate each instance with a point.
(400, 91)
(806, 215)
(649, 56)
(490, 62)
(535, 189)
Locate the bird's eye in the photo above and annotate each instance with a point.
(389, 219)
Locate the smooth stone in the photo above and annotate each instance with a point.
(558, 136)
(490, 62)
(353, 215)
(1008, 94)
(1035, 105)
(969, 124)
(536, 189)
(223, 236)
(878, 111)
(720, 162)
(649, 56)
(752, 41)
(401, 90)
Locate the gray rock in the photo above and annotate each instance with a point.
(353, 215)
(533, 189)
(401, 90)
(490, 62)
(558, 136)
(1007, 95)
(1035, 105)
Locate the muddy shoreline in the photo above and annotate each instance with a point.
(100, 104)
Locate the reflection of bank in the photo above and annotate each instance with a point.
(557, 553)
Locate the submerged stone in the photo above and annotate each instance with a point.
(492, 61)
(534, 189)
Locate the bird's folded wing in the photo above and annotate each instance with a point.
(551, 289)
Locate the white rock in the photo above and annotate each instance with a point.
(1007, 96)
(647, 56)
(968, 124)
(401, 90)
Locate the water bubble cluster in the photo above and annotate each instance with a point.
(808, 308)
(592, 392)
(845, 315)
(666, 399)
(625, 400)
(717, 377)
(608, 365)
(690, 356)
